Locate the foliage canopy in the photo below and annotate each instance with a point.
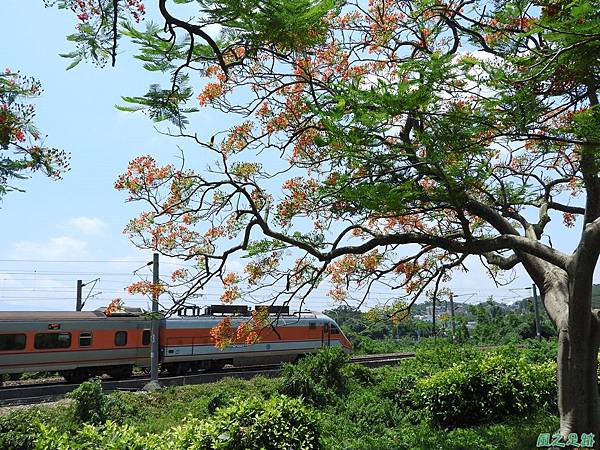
(21, 145)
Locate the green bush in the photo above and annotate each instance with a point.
(319, 378)
(276, 424)
(93, 406)
(89, 402)
(116, 409)
(360, 375)
(366, 410)
(540, 350)
(192, 434)
(91, 437)
(396, 385)
(18, 430)
(280, 423)
(433, 356)
(486, 389)
(531, 350)
(154, 412)
(218, 400)
(340, 433)
(513, 434)
(364, 345)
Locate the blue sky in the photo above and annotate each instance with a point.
(60, 231)
(82, 216)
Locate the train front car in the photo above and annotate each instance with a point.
(187, 343)
(78, 345)
(335, 335)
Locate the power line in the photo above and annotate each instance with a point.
(62, 297)
(39, 279)
(63, 291)
(211, 291)
(85, 261)
(40, 299)
(61, 273)
(73, 261)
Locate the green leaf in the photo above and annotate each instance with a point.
(73, 63)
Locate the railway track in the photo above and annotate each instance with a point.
(47, 392)
(382, 359)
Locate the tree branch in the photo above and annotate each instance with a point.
(505, 263)
(194, 29)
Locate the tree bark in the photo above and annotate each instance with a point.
(578, 398)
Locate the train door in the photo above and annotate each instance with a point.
(143, 348)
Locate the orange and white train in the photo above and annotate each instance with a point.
(80, 345)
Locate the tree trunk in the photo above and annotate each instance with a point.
(578, 399)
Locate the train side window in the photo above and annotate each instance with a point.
(52, 340)
(121, 338)
(146, 337)
(85, 339)
(12, 342)
(335, 330)
(312, 325)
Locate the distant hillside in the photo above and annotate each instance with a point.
(595, 299)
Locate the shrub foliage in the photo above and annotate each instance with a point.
(318, 378)
(280, 423)
(486, 389)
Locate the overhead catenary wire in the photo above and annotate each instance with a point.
(210, 293)
(131, 261)
(209, 290)
(212, 290)
(92, 261)
(60, 273)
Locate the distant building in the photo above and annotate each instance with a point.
(424, 317)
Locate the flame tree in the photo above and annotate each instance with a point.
(407, 137)
(21, 145)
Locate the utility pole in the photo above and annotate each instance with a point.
(79, 305)
(452, 322)
(433, 318)
(537, 312)
(154, 329)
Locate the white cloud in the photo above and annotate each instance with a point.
(55, 248)
(234, 265)
(213, 30)
(34, 292)
(88, 225)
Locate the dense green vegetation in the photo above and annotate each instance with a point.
(486, 323)
(447, 397)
